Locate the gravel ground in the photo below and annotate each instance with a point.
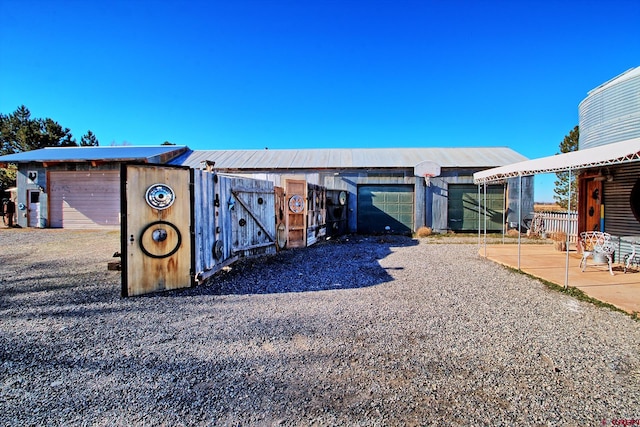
(357, 331)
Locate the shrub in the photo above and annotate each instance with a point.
(424, 232)
(513, 232)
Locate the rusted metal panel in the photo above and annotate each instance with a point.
(156, 243)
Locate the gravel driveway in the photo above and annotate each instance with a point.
(359, 331)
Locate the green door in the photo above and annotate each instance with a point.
(385, 209)
(463, 207)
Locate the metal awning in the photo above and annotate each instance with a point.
(605, 155)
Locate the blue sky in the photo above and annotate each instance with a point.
(249, 74)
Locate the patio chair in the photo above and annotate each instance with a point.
(596, 244)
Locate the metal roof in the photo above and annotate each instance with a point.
(473, 157)
(604, 155)
(84, 154)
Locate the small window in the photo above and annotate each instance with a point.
(634, 200)
(35, 197)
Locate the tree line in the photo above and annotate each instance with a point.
(20, 132)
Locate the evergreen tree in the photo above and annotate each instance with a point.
(89, 140)
(561, 196)
(19, 132)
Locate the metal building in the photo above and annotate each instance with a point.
(76, 187)
(386, 187)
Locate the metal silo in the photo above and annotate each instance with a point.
(611, 112)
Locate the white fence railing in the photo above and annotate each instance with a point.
(559, 222)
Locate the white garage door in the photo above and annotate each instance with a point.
(83, 199)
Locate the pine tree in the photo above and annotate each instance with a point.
(561, 196)
(89, 140)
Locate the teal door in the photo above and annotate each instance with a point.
(463, 207)
(385, 209)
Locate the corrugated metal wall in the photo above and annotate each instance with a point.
(619, 218)
(611, 112)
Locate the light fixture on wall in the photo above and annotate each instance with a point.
(604, 176)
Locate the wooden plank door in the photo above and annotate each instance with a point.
(593, 205)
(252, 222)
(156, 243)
(296, 208)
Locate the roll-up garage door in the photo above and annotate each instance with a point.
(463, 207)
(83, 199)
(385, 209)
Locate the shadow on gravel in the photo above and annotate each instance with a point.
(346, 263)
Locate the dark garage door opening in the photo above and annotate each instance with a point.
(463, 207)
(385, 209)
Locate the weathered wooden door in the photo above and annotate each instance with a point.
(281, 220)
(296, 207)
(316, 213)
(156, 240)
(593, 205)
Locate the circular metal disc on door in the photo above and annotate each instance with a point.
(296, 203)
(160, 239)
(342, 198)
(160, 196)
(217, 250)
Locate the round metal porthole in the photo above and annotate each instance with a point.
(160, 196)
(218, 250)
(154, 244)
(296, 203)
(342, 198)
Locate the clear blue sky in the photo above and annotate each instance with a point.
(250, 74)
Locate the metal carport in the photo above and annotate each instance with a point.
(606, 155)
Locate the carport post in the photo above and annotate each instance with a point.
(519, 214)
(479, 228)
(566, 267)
(504, 209)
(485, 219)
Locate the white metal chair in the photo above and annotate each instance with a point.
(633, 258)
(596, 243)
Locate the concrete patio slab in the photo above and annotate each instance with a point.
(543, 261)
